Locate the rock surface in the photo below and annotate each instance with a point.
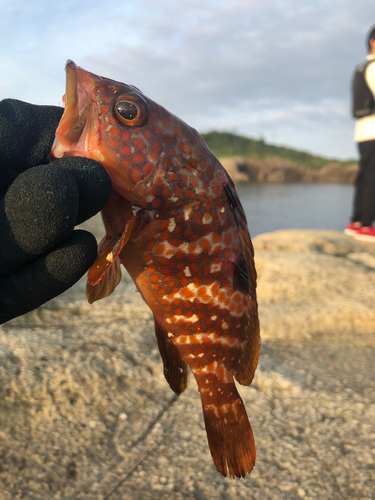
(86, 412)
(281, 170)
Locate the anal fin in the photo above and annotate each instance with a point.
(175, 368)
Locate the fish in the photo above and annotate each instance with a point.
(175, 222)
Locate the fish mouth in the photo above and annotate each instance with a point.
(77, 102)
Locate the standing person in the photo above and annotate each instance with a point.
(363, 88)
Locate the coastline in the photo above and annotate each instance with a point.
(276, 169)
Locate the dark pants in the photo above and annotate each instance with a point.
(364, 196)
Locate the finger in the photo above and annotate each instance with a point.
(47, 276)
(38, 212)
(27, 132)
(93, 181)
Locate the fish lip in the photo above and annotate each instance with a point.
(77, 104)
(71, 93)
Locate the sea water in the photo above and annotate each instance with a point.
(269, 207)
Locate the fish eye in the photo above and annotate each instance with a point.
(131, 110)
(127, 110)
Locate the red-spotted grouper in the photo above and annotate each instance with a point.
(176, 223)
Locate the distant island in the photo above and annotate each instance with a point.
(252, 160)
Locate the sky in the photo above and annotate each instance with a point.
(273, 69)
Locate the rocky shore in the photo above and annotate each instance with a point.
(86, 413)
(280, 170)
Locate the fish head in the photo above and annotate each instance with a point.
(155, 160)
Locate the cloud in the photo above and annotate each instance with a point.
(276, 68)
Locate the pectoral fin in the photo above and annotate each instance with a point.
(105, 274)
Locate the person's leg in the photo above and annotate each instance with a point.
(367, 183)
(358, 188)
(355, 219)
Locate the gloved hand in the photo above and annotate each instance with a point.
(41, 255)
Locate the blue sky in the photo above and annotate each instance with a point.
(277, 69)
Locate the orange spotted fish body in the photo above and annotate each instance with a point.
(175, 222)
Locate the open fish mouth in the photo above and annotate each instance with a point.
(77, 102)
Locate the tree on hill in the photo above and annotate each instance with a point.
(226, 145)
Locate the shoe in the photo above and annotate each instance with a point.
(350, 229)
(367, 234)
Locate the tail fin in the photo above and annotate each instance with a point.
(230, 437)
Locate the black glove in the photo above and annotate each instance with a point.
(41, 255)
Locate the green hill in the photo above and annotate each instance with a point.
(226, 145)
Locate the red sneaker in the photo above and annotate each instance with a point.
(350, 229)
(365, 234)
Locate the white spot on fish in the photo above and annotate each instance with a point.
(204, 369)
(187, 272)
(210, 337)
(214, 268)
(192, 287)
(183, 247)
(207, 219)
(170, 334)
(180, 293)
(187, 212)
(149, 198)
(170, 251)
(183, 339)
(171, 225)
(109, 257)
(192, 319)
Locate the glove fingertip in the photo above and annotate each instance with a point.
(71, 259)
